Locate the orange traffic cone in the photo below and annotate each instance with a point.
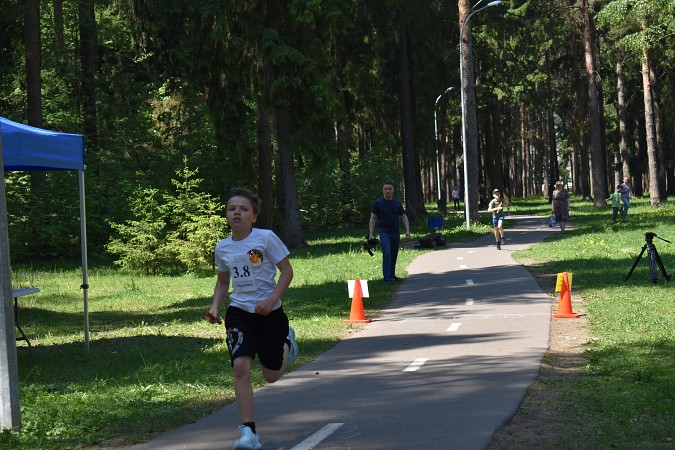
(565, 303)
(357, 315)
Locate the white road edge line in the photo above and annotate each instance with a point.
(419, 362)
(317, 437)
(454, 326)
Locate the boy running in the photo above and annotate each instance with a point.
(255, 320)
(496, 207)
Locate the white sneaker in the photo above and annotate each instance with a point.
(293, 350)
(248, 440)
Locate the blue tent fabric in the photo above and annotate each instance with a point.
(35, 149)
(29, 148)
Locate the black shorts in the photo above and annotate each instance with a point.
(249, 334)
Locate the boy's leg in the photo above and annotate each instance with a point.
(279, 348)
(495, 229)
(243, 390)
(241, 345)
(273, 375)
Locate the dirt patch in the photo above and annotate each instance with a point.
(537, 422)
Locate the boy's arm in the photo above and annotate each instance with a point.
(219, 292)
(285, 277)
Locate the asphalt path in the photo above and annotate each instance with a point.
(443, 367)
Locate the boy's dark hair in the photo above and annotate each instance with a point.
(256, 203)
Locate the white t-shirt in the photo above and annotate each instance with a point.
(252, 264)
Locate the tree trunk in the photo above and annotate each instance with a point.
(58, 25)
(551, 160)
(32, 43)
(493, 150)
(265, 181)
(292, 228)
(598, 170)
(621, 114)
(523, 151)
(89, 63)
(551, 157)
(652, 154)
(344, 144)
(639, 143)
(601, 102)
(658, 130)
(414, 198)
(470, 126)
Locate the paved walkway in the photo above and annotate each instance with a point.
(443, 367)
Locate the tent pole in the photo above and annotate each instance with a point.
(85, 279)
(10, 408)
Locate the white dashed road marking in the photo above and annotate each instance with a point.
(454, 326)
(419, 362)
(317, 437)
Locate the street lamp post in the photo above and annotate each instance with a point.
(461, 77)
(438, 164)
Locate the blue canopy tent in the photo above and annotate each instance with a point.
(33, 149)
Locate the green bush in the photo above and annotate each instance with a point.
(141, 245)
(176, 235)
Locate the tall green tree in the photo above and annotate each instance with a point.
(411, 167)
(647, 26)
(470, 136)
(598, 168)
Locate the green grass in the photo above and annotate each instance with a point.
(625, 397)
(155, 364)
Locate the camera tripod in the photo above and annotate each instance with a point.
(652, 257)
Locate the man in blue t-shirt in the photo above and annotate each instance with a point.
(387, 211)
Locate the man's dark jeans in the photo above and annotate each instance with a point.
(390, 244)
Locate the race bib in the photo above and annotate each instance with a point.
(241, 274)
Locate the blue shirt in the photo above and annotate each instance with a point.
(625, 190)
(388, 213)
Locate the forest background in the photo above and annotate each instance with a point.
(314, 104)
